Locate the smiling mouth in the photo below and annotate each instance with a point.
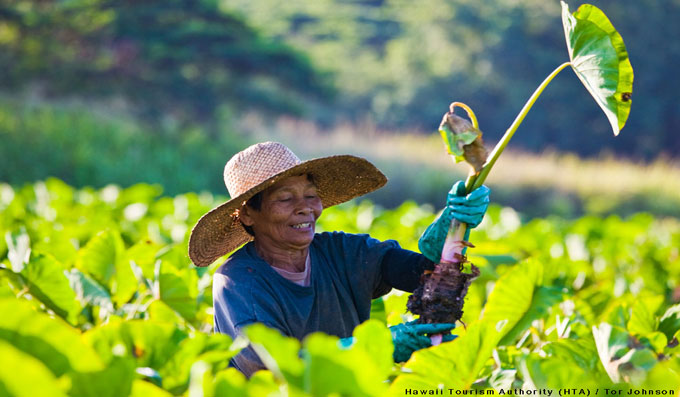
(302, 225)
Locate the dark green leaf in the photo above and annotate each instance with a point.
(600, 60)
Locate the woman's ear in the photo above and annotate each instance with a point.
(244, 215)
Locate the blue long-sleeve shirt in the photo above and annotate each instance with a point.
(348, 271)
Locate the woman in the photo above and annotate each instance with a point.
(293, 279)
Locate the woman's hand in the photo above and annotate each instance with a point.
(409, 337)
(467, 208)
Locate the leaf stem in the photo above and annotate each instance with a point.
(470, 113)
(474, 182)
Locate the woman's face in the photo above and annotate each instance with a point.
(287, 218)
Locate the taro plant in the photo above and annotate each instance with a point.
(599, 58)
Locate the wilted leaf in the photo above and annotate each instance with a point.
(600, 60)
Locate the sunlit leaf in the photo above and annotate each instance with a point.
(554, 373)
(51, 340)
(378, 310)
(47, 282)
(142, 388)
(643, 318)
(24, 375)
(151, 344)
(374, 338)
(455, 364)
(89, 292)
(212, 349)
(600, 60)
(355, 371)
(279, 353)
(113, 381)
(178, 289)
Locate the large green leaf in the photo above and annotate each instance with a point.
(46, 281)
(355, 371)
(518, 298)
(179, 290)
(150, 343)
(454, 364)
(104, 259)
(24, 375)
(600, 60)
(279, 353)
(59, 346)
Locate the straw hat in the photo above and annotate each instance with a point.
(337, 178)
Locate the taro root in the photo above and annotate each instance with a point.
(441, 294)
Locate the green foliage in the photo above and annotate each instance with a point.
(600, 60)
(587, 303)
(164, 58)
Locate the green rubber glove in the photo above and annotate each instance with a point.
(468, 209)
(409, 337)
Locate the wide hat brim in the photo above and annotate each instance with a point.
(337, 178)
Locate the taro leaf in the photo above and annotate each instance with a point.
(178, 289)
(554, 373)
(103, 258)
(643, 319)
(518, 299)
(611, 342)
(279, 353)
(113, 381)
(89, 292)
(46, 281)
(670, 321)
(455, 364)
(600, 60)
(215, 349)
(581, 352)
(18, 249)
(378, 310)
(50, 340)
(355, 372)
(151, 343)
(24, 375)
(230, 382)
(375, 339)
(141, 388)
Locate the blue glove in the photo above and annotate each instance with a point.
(468, 209)
(409, 337)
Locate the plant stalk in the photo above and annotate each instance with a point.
(453, 245)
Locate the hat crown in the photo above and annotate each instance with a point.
(256, 164)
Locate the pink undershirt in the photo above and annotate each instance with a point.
(300, 278)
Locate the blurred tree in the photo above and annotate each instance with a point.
(400, 63)
(183, 59)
